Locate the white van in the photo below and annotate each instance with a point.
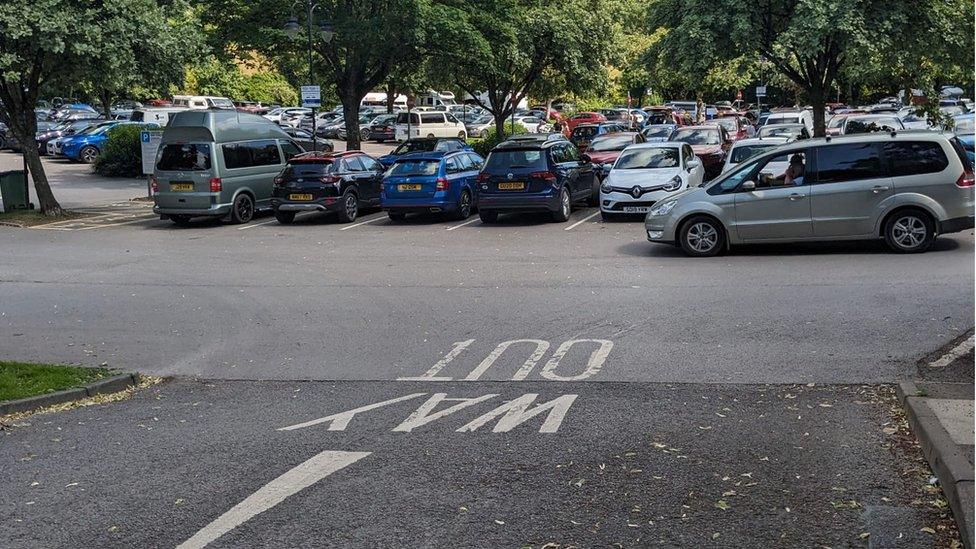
(158, 115)
(203, 102)
(429, 124)
(792, 117)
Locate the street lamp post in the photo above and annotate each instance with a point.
(326, 32)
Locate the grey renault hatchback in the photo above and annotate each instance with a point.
(905, 188)
(218, 163)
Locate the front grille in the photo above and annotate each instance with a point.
(619, 206)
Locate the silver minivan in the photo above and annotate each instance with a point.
(218, 164)
(904, 188)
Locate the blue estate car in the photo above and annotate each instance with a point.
(432, 182)
(86, 145)
(535, 173)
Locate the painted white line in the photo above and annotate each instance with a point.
(581, 221)
(270, 221)
(290, 483)
(468, 222)
(361, 223)
(964, 347)
(130, 222)
(339, 422)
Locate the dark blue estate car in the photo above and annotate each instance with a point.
(432, 182)
(535, 173)
(424, 144)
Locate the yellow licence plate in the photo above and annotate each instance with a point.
(181, 187)
(299, 197)
(511, 186)
(408, 187)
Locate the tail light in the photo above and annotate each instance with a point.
(967, 179)
(279, 181)
(483, 178)
(154, 184)
(443, 184)
(329, 179)
(548, 176)
(215, 186)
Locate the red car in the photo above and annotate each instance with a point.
(584, 118)
(710, 144)
(606, 148)
(732, 124)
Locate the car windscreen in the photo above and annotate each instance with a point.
(310, 169)
(413, 118)
(184, 157)
(783, 120)
(518, 158)
(745, 152)
(697, 137)
(416, 167)
(221, 103)
(643, 158)
(415, 146)
(787, 131)
(727, 123)
(612, 143)
(662, 131)
(585, 132)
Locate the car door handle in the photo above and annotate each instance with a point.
(796, 196)
(878, 188)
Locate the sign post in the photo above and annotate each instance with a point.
(760, 93)
(312, 99)
(149, 145)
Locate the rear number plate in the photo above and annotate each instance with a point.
(636, 209)
(511, 186)
(180, 187)
(408, 187)
(299, 197)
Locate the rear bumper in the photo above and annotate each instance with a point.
(955, 225)
(324, 205)
(417, 205)
(548, 202)
(213, 211)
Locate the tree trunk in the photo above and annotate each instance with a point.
(390, 97)
(48, 204)
(500, 118)
(20, 106)
(105, 97)
(350, 114)
(819, 102)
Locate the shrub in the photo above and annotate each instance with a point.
(484, 146)
(122, 156)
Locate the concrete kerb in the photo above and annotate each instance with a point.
(954, 472)
(103, 386)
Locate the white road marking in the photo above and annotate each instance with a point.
(468, 222)
(361, 223)
(288, 484)
(431, 374)
(342, 419)
(516, 412)
(422, 416)
(964, 347)
(593, 365)
(270, 221)
(581, 221)
(541, 347)
(130, 222)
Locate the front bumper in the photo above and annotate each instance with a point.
(661, 229)
(956, 224)
(615, 202)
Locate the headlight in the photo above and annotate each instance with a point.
(605, 187)
(663, 209)
(674, 184)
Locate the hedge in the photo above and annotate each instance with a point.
(122, 156)
(484, 146)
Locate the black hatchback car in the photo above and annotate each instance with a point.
(535, 173)
(339, 183)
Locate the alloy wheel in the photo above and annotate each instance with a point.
(702, 237)
(352, 207)
(909, 232)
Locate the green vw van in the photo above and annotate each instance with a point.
(218, 164)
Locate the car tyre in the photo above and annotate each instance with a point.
(364, 134)
(702, 236)
(180, 220)
(285, 218)
(396, 216)
(488, 216)
(88, 154)
(242, 211)
(463, 206)
(608, 216)
(909, 231)
(565, 207)
(350, 207)
(462, 136)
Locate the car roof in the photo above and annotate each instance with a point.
(319, 156)
(772, 140)
(615, 134)
(715, 127)
(790, 125)
(657, 145)
(425, 155)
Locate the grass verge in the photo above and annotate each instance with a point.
(22, 380)
(32, 218)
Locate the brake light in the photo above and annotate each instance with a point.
(443, 184)
(279, 181)
(967, 179)
(483, 178)
(329, 179)
(215, 186)
(154, 184)
(548, 176)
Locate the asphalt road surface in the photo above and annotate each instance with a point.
(518, 384)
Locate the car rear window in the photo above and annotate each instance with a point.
(697, 137)
(184, 157)
(657, 132)
(310, 169)
(518, 158)
(612, 143)
(416, 167)
(915, 157)
(848, 162)
(783, 120)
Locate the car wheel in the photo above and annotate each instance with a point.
(180, 220)
(3, 144)
(702, 237)
(430, 136)
(565, 206)
(463, 206)
(242, 210)
(285, 218)
(462, 136)
(350, 208)
(88, 154)
(396, 216)
(909, 231)
(607, 216)
(364, 134)
(488, 216)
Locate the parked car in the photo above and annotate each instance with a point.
(217, 163)
(252, 107)
(867, 123)
(789, 131)
(964, 126)
(87, 146)
(203, 102)
(341, 183)
(429, 124)
(583, 134)
(584, 118)
(424, 144)
(647, 173)
(535, 173)
(710, 144)
(380, 128)
(658, 132)
(733, 126)
(604, 150)
(533, 124)
(322, 120)
(48, 142)
(791, 117)
(744, 149)
(66, 142)
(304, 140)
(432, 182)
(480, 126)
(290, 116)
(904, 188)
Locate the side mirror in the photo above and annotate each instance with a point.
(748, 186)
(606, 168)
(692, 164)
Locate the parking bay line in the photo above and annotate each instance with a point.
(468, 222)
(362, 223)
(951, 355)
(288, 484)
(270, 221)
(581, 221)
